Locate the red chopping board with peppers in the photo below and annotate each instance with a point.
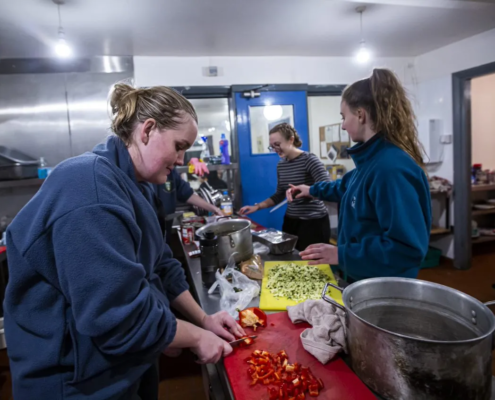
(340, 383)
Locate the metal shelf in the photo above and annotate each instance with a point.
(21, 183)
(211, 167)
(482, 188)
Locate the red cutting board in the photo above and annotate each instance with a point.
(340, 383)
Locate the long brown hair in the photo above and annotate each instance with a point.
(133, 105)
(385, 100)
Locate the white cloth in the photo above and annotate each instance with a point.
(326, 338)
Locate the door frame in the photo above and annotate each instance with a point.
(233, 106)
(461, 108)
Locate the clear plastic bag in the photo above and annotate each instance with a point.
(259, 248)
(237, 293)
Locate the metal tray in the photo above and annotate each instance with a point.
(16, 165)
(278, 242)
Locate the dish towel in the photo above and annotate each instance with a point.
(326, 338)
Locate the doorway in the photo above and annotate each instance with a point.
(463, 171)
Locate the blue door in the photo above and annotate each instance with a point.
(255, 117)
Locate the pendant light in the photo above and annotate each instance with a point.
(363, 54)
(62, 48)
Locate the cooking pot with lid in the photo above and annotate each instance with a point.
(418, 340)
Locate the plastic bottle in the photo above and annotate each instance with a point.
(224, 149)
(226, 205)
(205, 154)
(42, 169)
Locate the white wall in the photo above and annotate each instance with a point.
(188, 71)
(432, 89)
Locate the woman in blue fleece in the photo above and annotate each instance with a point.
(385, 206)
(92, 283)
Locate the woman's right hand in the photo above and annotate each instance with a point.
(246, 210)
(296, 192)
(210, 348)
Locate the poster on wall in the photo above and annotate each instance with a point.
(334, 142)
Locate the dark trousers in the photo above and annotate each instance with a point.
(309, 231)
(148, 387)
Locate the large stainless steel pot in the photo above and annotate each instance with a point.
(234, 236)
(412, 340)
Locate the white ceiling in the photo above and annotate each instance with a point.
(239, 27)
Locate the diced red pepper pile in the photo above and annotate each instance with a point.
(291, 381)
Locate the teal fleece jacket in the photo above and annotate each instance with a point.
(385, 212)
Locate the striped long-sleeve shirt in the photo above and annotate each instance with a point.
(305, 169)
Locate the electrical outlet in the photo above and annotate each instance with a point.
(446, 139)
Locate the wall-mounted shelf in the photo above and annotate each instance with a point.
(482, 212)
(483, 239)
(482, 188)
(21, 183)
(439, 231)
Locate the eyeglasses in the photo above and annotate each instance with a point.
(273, 148)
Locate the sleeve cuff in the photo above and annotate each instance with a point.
(312, 191)
(174, 291)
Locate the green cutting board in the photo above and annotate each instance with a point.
(268, 302)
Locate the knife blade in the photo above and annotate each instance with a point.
(278, 206)
(236, 342)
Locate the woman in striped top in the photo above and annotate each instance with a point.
(305, 218)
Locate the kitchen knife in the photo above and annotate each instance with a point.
(236, 342)
(278, 206)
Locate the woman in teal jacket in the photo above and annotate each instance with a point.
(385, 206)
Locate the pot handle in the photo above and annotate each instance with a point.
(490, 303)
(329, 299)
(232, 243)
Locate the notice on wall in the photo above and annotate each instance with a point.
(334, 142)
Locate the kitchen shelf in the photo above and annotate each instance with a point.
(482, 188)
(482, 212)
(21, 183)
(483, 239)
(439, 231)
(211, 167)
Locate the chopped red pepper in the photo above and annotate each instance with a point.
(252, 317)
(292, 381)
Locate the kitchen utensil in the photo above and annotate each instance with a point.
(3, 343)
(238, 341)
(412, 339)
(234, 236)
(278, 242)
(16, 165)
(281, 334)
(268, 301)
(279, 205)
(484, 206)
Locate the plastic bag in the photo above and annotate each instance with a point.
(253, 268)
(259, 248)
(237, 293)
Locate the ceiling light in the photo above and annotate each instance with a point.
(363, 55)
(62, 48)
(272, 113)
(212, 129)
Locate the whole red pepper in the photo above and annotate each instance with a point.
(252, 317)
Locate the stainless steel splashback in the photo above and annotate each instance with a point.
(57, 115)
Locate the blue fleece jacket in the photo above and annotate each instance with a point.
(87, 304)
(385, 212)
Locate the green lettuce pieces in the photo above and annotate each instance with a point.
(296, 282)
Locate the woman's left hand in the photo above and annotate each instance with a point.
(321, 254)
(217, 323)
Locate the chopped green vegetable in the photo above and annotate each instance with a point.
(296, 282)
(236, 289)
